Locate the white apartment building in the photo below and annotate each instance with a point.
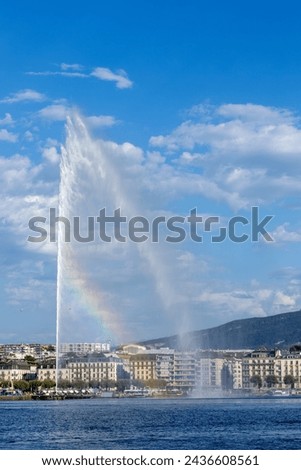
(184, 370)
(110, 369)
(49, 373)
(236, 370)
(209, 372)
(258, 363)
(272, 363)
(19, 351)
(165, 365)
(288, 366)
(13, 373)
(84, 348)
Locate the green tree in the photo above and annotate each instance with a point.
(122, 384)
(290, 380)
(79, 384)
(4, 383)
(256, 380)
(271, 380)
(29, 359)
(155, 383)
(34, 385)
(107, 384)
(137, 383)
(94, 383)
(48, 383)
(22, 385)
(65, 384)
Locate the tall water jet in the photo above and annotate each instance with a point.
(83, 311)
(106, 290)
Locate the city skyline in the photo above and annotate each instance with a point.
(196, 107)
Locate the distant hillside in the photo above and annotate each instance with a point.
(281, 330)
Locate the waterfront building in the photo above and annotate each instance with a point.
(143, 367)
(148, 364)
(84, 348)
(129, 349)
(48, 372)
(288, 365)
(184, 374)
(20, 351)
(17, 371)
(275, 364)
(209, 372)
(94, 372)
(165, 365)
(235, 366)
(89, 363)
(259, 363)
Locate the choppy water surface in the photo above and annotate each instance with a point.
(151, 424)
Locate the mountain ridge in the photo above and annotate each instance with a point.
(282, 329)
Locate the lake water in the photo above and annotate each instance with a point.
(151, 424)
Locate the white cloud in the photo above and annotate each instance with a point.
(17, 174)
(27, 285)
(237, 304)
(24, 95)
(250, 153)
(288, 275)
(7, 120)
(19, 295)
(187, 158)
(76, 71)
(281, 234)
(256, 113)
(54, 112)
(241, 138)
(25, 193)
(121, 78)
(101, 121)
(65, 66)
(62, 74)
(51, 154)
(239, 130)
(28, 136)
(8, 136)
(284, 300)
(232, 304)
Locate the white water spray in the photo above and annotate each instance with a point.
(104, 290)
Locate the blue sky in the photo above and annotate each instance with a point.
(208, 97)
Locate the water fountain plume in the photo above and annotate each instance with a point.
(96, 174)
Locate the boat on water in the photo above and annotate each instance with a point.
(136, 392)
(47, 396)
(281, 394)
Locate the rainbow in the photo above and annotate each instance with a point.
(81, 300)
